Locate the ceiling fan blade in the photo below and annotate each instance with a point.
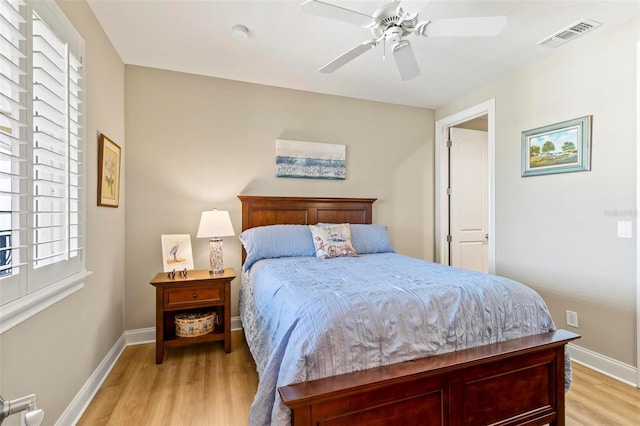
(327, 10)
(348, 56)
(414, 6)
(406, 60)
(489, 26)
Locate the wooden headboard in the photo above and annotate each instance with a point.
(261, 211)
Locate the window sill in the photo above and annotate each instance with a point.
(13, 313)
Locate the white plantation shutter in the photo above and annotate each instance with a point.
(13, 136)
(76, 154)
(41, 159)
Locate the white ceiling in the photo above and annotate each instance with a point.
(286, 47)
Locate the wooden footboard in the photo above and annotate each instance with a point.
(517, 382)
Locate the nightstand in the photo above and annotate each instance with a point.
(199, 289)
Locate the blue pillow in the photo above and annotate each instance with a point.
(370, 239)
(273, 241)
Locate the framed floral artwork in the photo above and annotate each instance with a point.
(108, 172)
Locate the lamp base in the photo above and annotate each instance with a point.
(216, 265)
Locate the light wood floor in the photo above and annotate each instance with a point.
(195, 385)
(202, 385)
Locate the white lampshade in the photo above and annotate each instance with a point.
(215, 223)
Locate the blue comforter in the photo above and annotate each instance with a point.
(305, 318)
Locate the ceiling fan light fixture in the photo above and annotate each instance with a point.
(405, 60)
(400, 45)
(240, 32)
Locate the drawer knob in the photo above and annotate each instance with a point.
(195, 295)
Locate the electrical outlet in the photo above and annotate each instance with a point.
(625, 229)
(572, 319)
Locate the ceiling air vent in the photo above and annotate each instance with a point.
(569, 33)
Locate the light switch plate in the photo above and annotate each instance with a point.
(625, 229)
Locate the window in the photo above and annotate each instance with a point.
(42, 257)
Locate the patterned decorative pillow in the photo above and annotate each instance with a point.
(369, 238)
(332, 240)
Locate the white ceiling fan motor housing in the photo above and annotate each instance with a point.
(393, 35)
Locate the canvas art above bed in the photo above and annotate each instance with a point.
(297, 159)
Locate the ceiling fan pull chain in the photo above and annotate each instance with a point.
(384, 48)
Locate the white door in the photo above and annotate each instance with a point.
(469, 195)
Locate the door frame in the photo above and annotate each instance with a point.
(638, 222)
(441, 178)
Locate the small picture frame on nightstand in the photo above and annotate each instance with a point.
(176, 252)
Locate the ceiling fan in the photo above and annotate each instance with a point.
(392, 24)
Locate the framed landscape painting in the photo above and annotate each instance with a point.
(557, 148)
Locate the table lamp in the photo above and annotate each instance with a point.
(214, 225)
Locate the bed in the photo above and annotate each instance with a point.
(343, 341)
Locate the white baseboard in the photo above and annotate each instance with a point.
(140, 336)
(83, 398)
(603, 364)
(236, 324)
(74, 411)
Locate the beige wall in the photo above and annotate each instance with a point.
(53, 353)
(557, 233)
(194, 143)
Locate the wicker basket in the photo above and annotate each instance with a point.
(193, 324)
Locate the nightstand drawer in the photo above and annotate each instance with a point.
(185, 296)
